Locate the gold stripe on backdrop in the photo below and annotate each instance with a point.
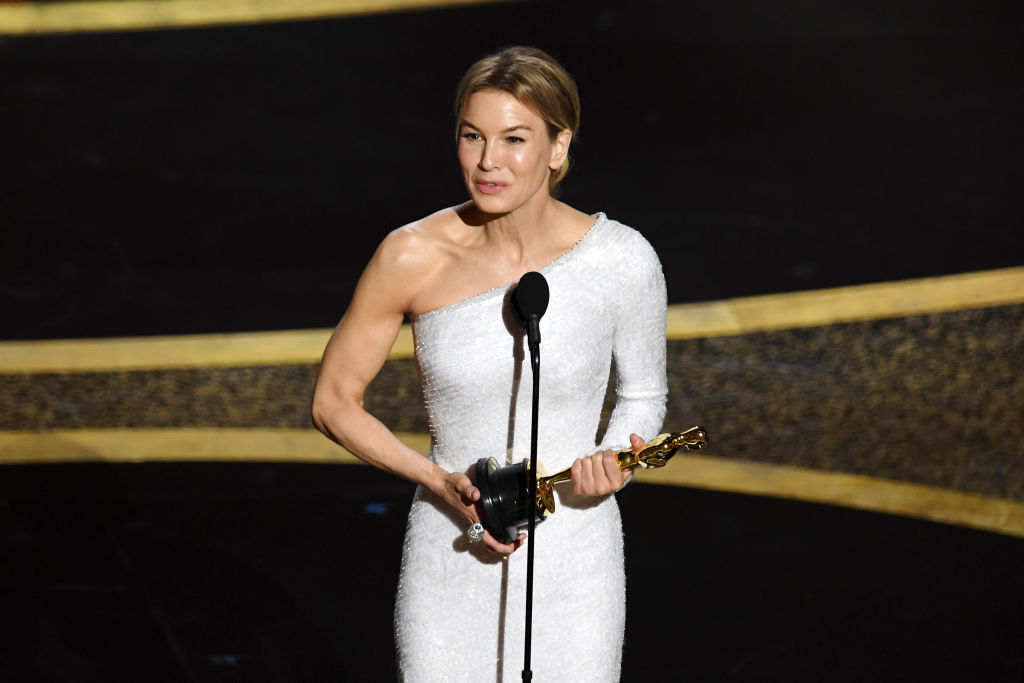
(179, 444)
(130, 15)
(187, 351)
(721, 474)
(845, 490)
(685, 321)
(847, 304)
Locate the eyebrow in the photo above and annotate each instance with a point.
(521, 126)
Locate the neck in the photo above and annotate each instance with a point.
(527, 229)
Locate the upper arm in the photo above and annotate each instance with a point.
(363, 339)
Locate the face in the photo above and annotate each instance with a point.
(505, 152)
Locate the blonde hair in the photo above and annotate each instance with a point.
(535, 79)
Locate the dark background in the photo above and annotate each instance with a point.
(285, 573)
(238, 178)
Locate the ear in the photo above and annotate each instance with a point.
(560, 149)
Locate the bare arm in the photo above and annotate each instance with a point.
(355, 354)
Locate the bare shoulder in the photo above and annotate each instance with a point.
(418, 245)
(412, 257)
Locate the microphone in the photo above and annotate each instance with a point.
(529, 302)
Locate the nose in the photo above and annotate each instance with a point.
(489, 157)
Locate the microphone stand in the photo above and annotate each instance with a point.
(533, 334)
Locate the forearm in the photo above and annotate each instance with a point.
(368, 439)
(349, 425)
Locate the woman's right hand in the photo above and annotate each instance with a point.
(462, 495)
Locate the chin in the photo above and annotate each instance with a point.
(493, 205)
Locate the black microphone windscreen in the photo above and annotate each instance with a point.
(530, 297)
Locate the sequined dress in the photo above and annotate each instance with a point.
(460, 615)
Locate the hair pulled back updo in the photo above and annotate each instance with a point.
(535, 79)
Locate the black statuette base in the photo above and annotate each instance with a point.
(504, 502)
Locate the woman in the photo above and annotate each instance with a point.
(460, 605)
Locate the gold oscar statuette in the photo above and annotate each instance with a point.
(655, 453)
(503, 490)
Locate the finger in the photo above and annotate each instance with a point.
(636, 442)
(587, 483)
(600, 481)
(576, 474)
(603, 483)
(465, 488)
(612, 471)
(606, 472)
(497, 546)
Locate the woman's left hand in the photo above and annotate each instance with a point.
(599, 474)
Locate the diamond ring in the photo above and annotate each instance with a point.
(475, 532)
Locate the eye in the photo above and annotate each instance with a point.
(471, 136)
(514, 139)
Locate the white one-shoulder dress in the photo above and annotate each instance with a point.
(460, 610)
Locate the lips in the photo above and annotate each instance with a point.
(490, 186)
